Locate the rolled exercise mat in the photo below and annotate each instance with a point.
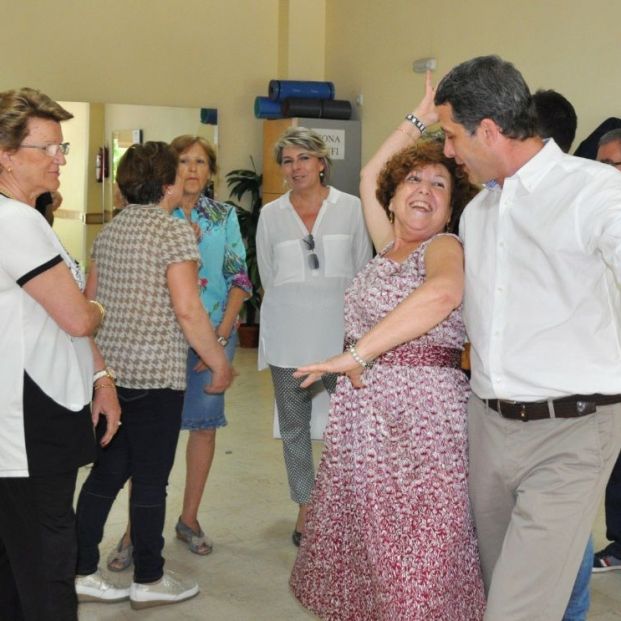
(307, 108)
(265, 108)
(284, 89)
(336, 109)
(317, 108)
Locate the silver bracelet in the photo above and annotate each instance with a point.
(358, 358)
(420, 126)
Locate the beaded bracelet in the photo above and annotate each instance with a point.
(358, 358)
(420, 126)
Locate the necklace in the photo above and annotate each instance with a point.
(6, 193)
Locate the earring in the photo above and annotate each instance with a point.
(391, 217)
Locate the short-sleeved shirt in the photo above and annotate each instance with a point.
(32, 344)
(223, 255)
(140, 336)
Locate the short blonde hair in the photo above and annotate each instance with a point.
(307, 139)
(186, 141)
(18, 106)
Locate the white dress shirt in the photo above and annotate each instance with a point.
(302, 310)
(542, 303)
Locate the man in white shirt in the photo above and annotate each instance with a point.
(542, 308)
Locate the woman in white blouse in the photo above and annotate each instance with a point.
(310, 243)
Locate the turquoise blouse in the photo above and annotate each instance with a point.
(223, 254)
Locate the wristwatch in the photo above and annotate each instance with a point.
(107, 372)
(223, 341)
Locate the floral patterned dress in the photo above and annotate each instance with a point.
(389, 535)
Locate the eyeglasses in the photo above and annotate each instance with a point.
(50, 149)
(313, 259)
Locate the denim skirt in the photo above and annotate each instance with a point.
(200, 409)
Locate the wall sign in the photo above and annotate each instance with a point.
(335, 141)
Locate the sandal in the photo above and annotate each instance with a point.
(121, 557)
(197, 542)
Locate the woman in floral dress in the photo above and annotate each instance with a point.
(389, 535)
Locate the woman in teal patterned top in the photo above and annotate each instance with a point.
(224, 286)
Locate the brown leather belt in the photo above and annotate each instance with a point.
(573, 406)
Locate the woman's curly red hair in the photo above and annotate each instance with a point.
(423, 153)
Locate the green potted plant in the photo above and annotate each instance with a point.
(241, 183)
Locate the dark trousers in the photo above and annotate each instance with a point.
(37, 548)
(613, 510)
(143, 449)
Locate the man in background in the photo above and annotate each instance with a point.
(609, 559)
(556, 118)
(609, 148)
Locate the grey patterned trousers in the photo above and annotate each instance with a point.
(294, 416)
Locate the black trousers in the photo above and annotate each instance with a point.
(613, 509)
(37, 548)
(143, 450)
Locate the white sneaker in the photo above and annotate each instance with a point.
(169, 589)
(95, 588)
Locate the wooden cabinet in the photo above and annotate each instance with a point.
(343, 139)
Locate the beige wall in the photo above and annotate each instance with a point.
(572, 46)
(222, 53)
(198, 53)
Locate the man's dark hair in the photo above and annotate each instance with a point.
(556, 118)
(488, 87)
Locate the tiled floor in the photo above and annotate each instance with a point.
(248, 514)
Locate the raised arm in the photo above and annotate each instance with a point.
(194, 321)
(403, 136)
(423, 309)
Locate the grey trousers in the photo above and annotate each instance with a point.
(294, 416)
(535, 489)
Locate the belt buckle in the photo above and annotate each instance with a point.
(585, 407)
